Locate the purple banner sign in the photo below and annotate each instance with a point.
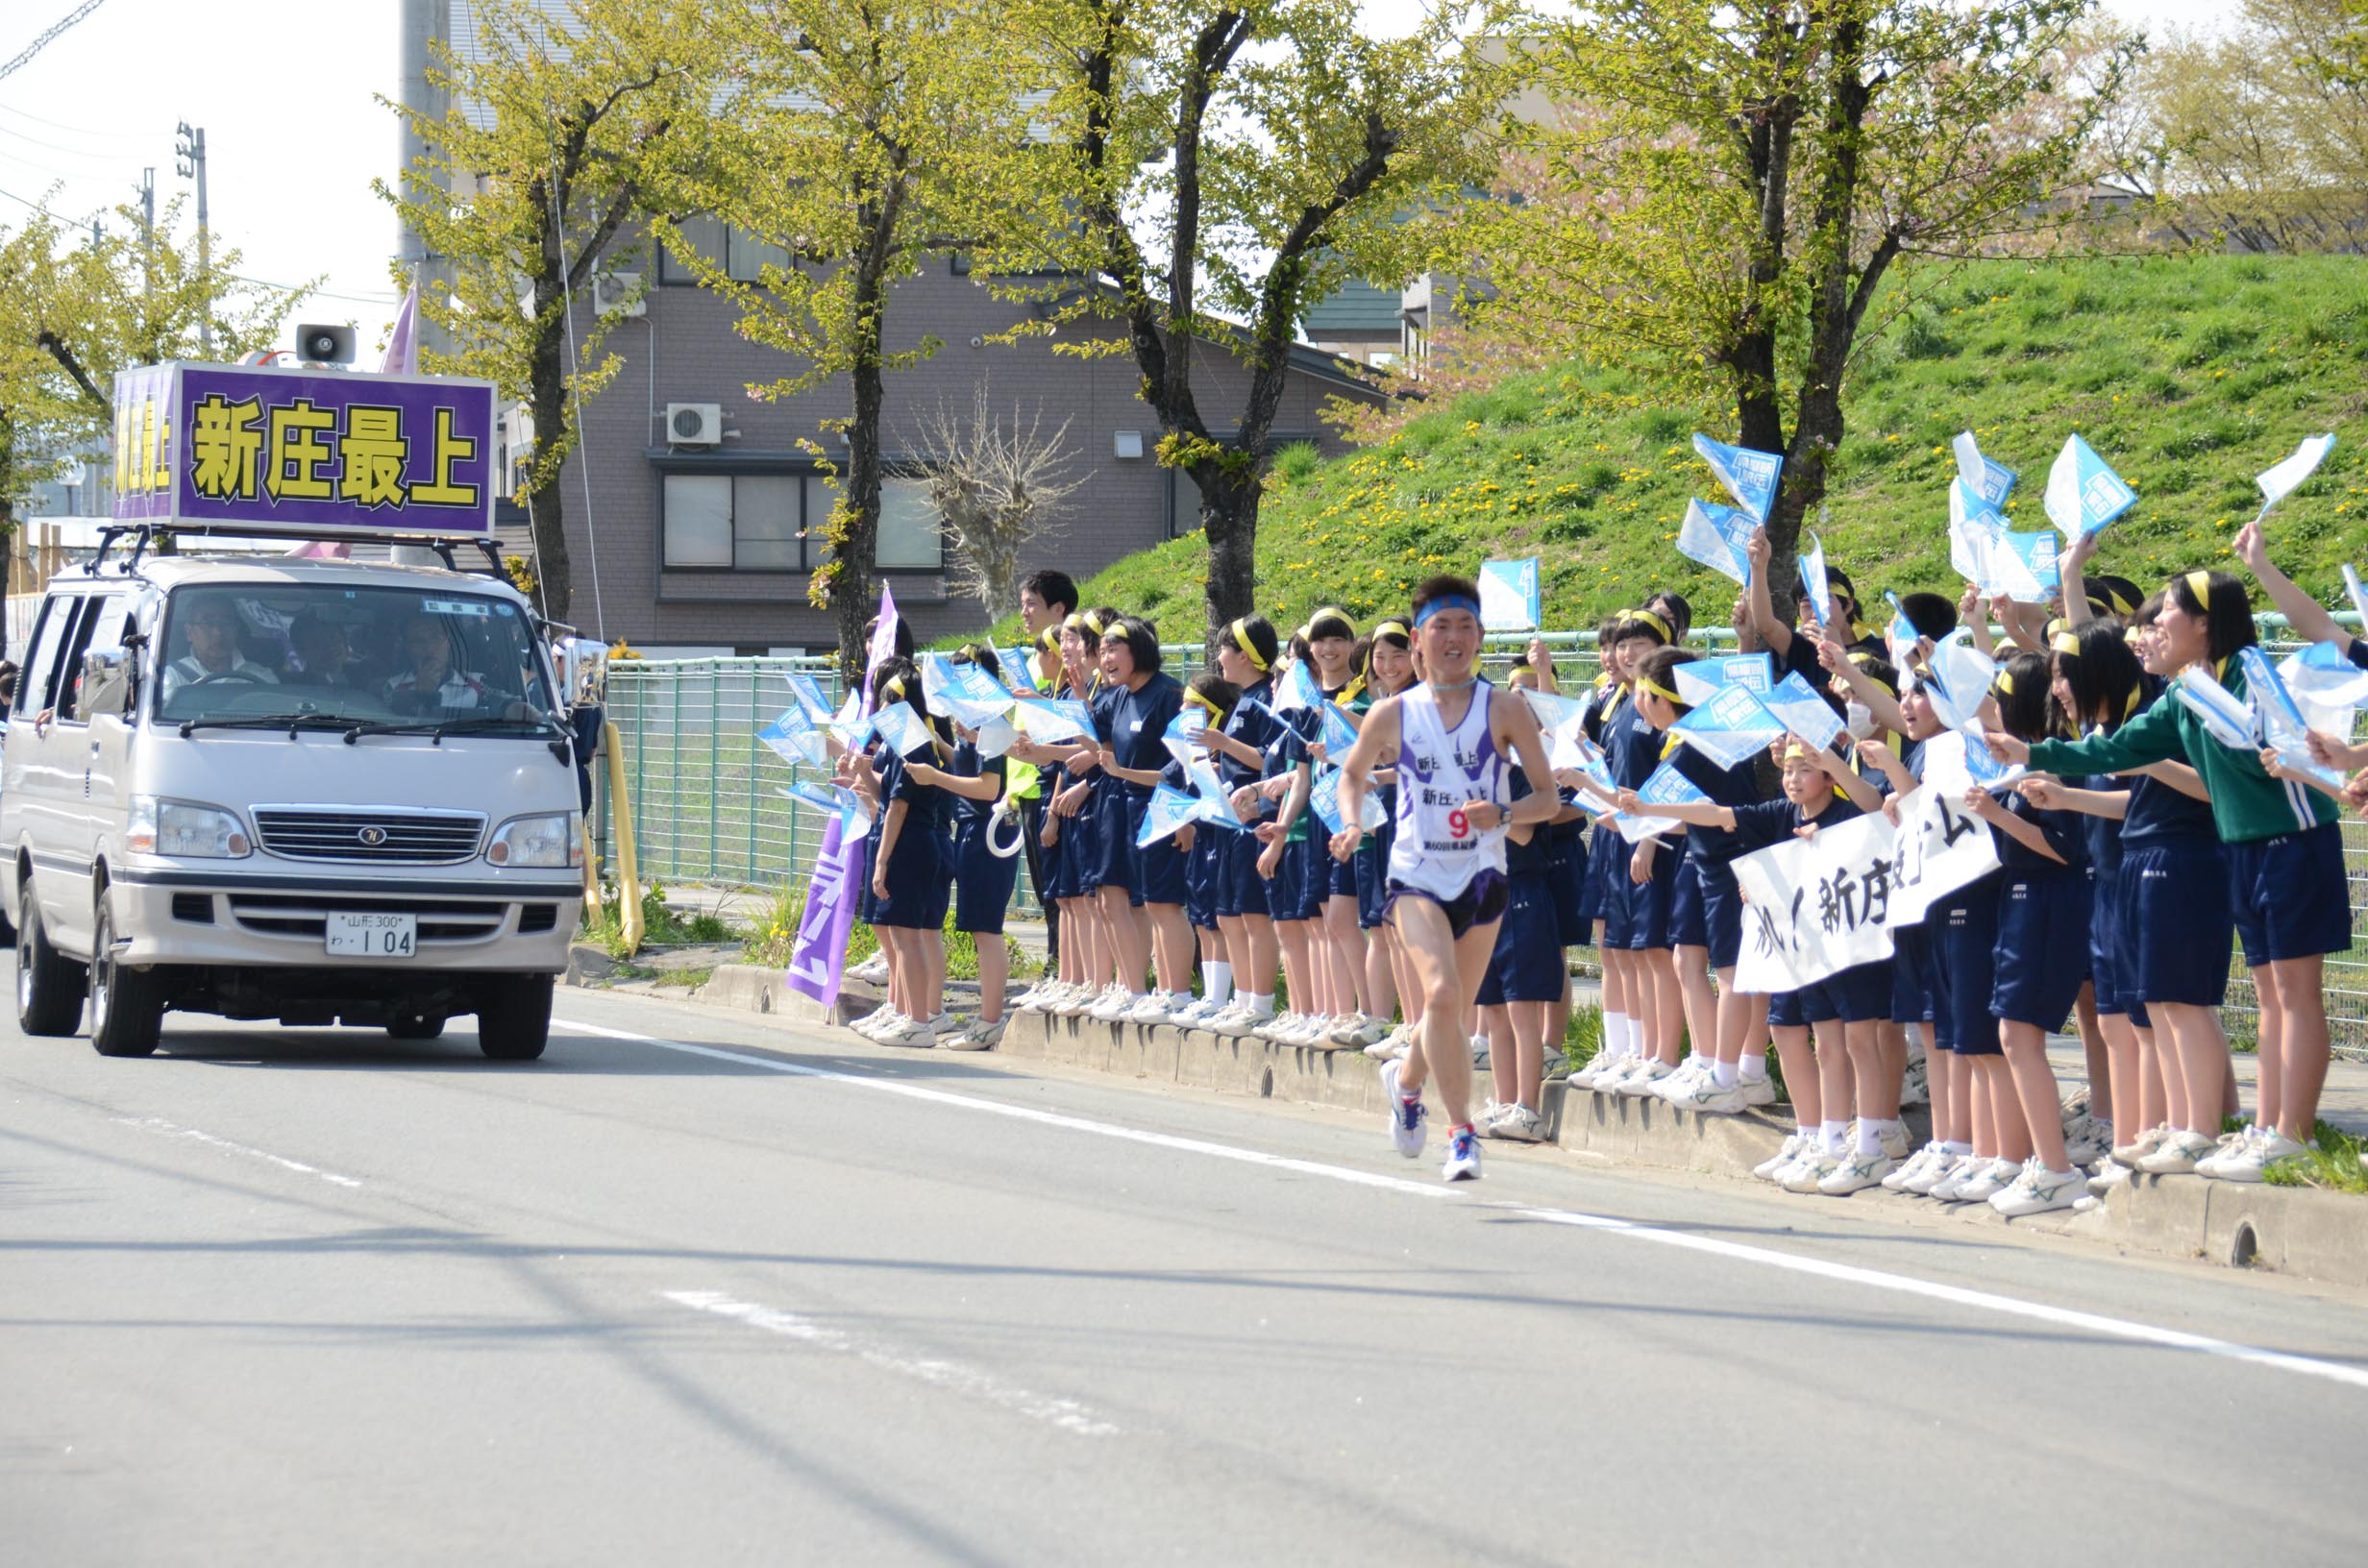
(819, 960)
(268, 450)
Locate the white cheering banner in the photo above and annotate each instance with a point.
(2277, 481)
(1815, 907)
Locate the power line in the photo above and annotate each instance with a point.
(54, 28)
(61, 147)
(107, 134)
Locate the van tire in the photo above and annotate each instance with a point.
(513, 1018)
(127, 1006)
(8, 930)
(49, 985)
(416, 1027)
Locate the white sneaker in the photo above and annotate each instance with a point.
(2110, 1174)
(1463, 1164)
(1390, 1046)
(887, 1020)
(1680, 1081)
(1992, 1178)
(1363, 1030)
(1894, 1144)
(1117, 1001)
(2246, 1163)
(868, 1021)
(1192, 1013)
(911, 1033)
(1790, 1150)
(2037, 1189)
(1649, 1070)
(1941, 1175)
(978, 1036)
(1916, 1165)
(2178, 1154)
(2086, 1140)
(1151, 1007)
(946, 1023)
(1518, 1124)
(1479, 1050)
(1812, 1168)
(1079, 1001)
(1856, 1173)
(1406, 1117)
(871, 971)
(2144, 1144)
(1758, 1092)
(1703, 1098)
(1916, 1087)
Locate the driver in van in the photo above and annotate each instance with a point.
(213, 651)
(431, 685)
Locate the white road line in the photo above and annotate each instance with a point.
(158, 1124)
(1067, 1415)
(2115, 1328)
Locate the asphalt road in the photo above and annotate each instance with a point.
(699, 1288)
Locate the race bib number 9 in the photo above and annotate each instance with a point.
(1459, 825)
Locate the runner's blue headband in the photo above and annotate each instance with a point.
(1450, 602)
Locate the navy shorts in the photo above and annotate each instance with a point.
(865, 903)
(1688, 916)
(2042, 945)
(1527, 965)
(1649, 903)
(1911, 992)
(1201, 869)
(1860, 994)
(1113, 862)
(1315, 868)
(1284, 890)
(2289, 896)
(1722, 909)
(1961, 935)
(1565, 884)
(1239, 888)
(983, 881)
(2105, 941)
(1157, 869)
(1480, 904)
(919, 886)
(2176, 920)
(1606, 850)
(1344, 872)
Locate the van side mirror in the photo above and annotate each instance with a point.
(107, 682)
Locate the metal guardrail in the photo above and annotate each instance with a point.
(709, 803)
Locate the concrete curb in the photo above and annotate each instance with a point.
(2291, 1231)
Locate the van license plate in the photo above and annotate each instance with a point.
(373, 935)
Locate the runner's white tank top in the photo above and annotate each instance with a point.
(1437, 852)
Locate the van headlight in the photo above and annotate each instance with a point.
(548, 842)
(186, 829)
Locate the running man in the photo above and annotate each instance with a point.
(1449, 741)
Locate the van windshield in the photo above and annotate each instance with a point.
(374, 655)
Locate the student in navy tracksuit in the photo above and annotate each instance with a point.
(1820, 791)
(983, 879)
(1732, 1036)
(1294, 897)
(1142, 884)
(1644, 890)
(1388, 661)
(1335, 657)
(2040, 958)
(1526, 976)
(1211, 698)
(1068, 833)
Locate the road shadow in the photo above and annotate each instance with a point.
(366, 1050)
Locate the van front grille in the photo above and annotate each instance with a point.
(307, 914)
(382, 838)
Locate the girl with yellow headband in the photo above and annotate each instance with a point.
(1388, 660)
(1140, 887)
(2287, 892)
(1088, 959)
(983, 879)
(2138, 824)
(1246, 650)
(1346, 1006)
(1211, 698)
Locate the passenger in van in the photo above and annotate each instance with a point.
(431, 685)
(321, 654)
(213, 651)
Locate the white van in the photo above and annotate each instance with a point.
(312, 790)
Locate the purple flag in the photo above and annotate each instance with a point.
(403, 343)
(819, 959)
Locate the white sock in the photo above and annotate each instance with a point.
(1262, 1006)
(1217, 982)
(1895, 1125)
(1725, 1074)
(1754, 1067)
(1870, 1139)
(1615, 1035)
(1833, 1134)
(1958, 1148)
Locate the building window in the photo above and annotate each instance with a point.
(908, 527)
(698, 523)
(749, 257)
(774, 522)
(705, 235)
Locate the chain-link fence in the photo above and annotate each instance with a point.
(711, 804)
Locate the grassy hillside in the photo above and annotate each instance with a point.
(2189, 375)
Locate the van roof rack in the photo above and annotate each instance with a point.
(146, 534)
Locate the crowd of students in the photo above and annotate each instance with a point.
(1431, 928)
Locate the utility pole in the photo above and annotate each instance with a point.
(189, 162)
(148, 244)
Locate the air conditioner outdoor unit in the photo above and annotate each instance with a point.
(695, 424)
(611, 289)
